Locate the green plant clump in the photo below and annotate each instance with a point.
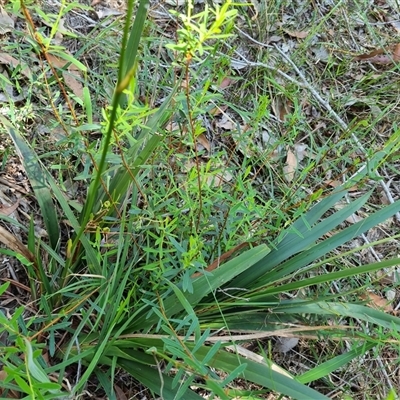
(135, 286)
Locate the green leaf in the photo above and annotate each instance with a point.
(300, 236)
(325, 368)
(150, 377)
(33, 366)
(261, 374)
(332, 276)
(204, 285)
(266, 375)
(360, 312)
(37, 178)
(321, 249)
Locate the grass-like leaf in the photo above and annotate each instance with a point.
(37, 178)
(325, 368)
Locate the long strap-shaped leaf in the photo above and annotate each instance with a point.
(357, 311)
(260, 373)
(204, 285)
(149, 377)
(300, 236)
(37, 178)
(321, 249)
(333, 276)
(47, 208)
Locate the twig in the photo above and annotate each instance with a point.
(323, 102)
(340, 121)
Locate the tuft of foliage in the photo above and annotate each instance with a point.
(132, 286)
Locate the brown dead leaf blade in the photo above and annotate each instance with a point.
(381, 56)
(71, 75)
(291, 165)
(377, 302)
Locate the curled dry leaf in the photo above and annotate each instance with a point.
(300, 151)
(281, 106)
(390, 276)
(297, 34)
(8, 210)
(71, 76)
(291, 165)
(13, 243)
(377, 302)
(335, 183)
(381, 56)
(218, 179)
(120, 395)
(218, 110)
(11, 394)
(219, 260)
(7, 59)
(6, 22)
(226, 123)
(202, 139)
(107, 12)
(226, 82)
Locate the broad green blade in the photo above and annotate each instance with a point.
(332, 276)
(261, 374)
(299, 237)
(204, 285)
(334, 364)
(37, 178)
(307, 256)
(264, 374)
(128, 61)
(126, 71)
(150, 377)
(356, 311)
(236, 320)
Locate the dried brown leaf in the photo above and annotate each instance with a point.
(11, 394)
(300, 151)
(71, 76)
(281, 106)
(381, 56)
(376, 301)
(354, 218)
(226, 123)
(291, 165)
(10, 60)
(5, 210)
(285, 344)
(297, 34)
(120, 395)
(13, 243)
(218, 110)
(274, 39)
(335, 183)
(204, 142)
(219, 260)
(226, 82)
(6, 22)
(106, 12)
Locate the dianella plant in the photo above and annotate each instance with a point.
(116, 286)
